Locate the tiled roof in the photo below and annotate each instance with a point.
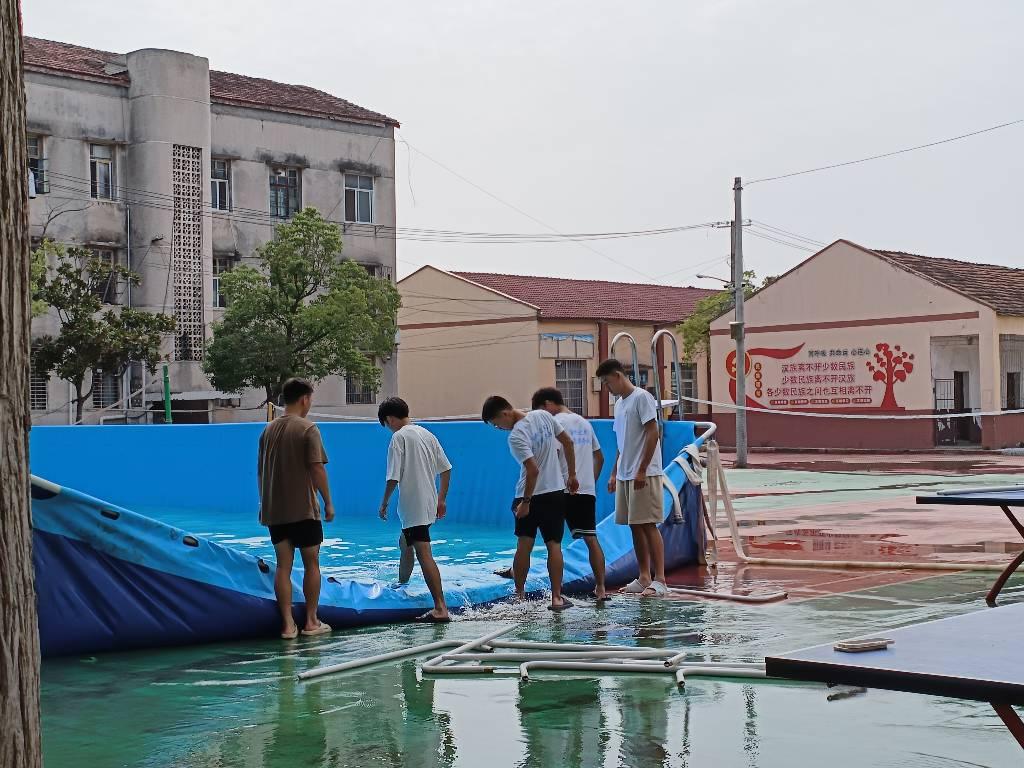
(1001, 288)
(225, 88)
(561, 298)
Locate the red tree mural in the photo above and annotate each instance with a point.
(891, 364)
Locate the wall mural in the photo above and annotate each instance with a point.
(857, 378)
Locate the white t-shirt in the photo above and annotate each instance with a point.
(584, 444)
(415, 459)
(533, 436)
(631, 414)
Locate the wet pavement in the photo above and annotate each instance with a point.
(238, 704)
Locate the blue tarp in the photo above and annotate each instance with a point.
(108, 578)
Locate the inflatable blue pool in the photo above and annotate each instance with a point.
(109, 578)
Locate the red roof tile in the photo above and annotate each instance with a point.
(1001, 288)
(225, 88)
(561, 298)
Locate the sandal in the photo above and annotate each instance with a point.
(657, 589)
(633, 588)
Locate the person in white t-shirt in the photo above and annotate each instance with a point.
(539, 504)
(580, 507)
(415, 459)
(636, 479)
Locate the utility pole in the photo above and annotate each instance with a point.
(736, 327)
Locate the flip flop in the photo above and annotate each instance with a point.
(633, 588)
(322, 629)
(593, 596)
(429, 618)
(657, 589)
(505, 573)
(290, 635)
(559, 608)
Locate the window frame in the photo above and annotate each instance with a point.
(563, 382)
(38, 387)
(112, 288)
(293, 202)
(37, 162)
(219, 266)
(96, 162)
(99, 396)
(357, 393)
(352, 214)
(220, 188)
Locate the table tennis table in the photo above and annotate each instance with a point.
(1004, 498)
(974, 656)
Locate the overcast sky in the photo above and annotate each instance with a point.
(596, 116)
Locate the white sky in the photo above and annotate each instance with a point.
(594, 116)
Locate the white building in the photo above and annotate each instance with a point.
(156, 162)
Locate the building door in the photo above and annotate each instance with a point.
(571, 380)
(945, 429)
(961, 394)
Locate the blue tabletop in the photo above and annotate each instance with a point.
(974, 656)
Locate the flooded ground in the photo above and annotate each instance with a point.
(239, 704)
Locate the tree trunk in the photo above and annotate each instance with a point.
(79, 400)
(19, 636)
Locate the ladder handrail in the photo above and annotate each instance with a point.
(636, 355)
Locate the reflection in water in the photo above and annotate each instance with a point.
(299, 736)
(750, 742)
(563, 722)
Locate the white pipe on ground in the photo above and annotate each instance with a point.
(727, 672)
(556, 656)
(753, 599)
(438, 664)
(890, 565)
(589, 666)
(531, 645)
(680, 659)
(416, 650)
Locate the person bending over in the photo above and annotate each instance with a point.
(581, 507)
(291, 470)
(539, 503)
(415, 459)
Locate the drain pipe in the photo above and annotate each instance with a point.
(737, 541)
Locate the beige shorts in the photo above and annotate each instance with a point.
(635, 507)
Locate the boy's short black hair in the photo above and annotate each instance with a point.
(393, 406)
(547, 395)
(294, 390)
(494, 405)
(609, 366)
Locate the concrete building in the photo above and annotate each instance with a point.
(879, 333)
(468, 335)
(156, 162)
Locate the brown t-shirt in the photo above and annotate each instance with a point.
(288, 446)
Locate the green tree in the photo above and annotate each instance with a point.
(304, 312)
(91, 338)
(46, 251)
(695, 331)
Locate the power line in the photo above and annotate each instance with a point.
(886, 154)
(786, 232)
(786, 243)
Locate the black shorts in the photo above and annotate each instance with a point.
(581, 514)
(416, 533)
(305, 533)
(547, 514)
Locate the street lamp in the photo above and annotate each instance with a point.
(722, 280)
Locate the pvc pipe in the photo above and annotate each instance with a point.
(589, 666)
(737, 542)
(437, 664)
(531, 645)
(679, 659)
(556, 656)
(755, 599)
(706, 671)
(416, 650)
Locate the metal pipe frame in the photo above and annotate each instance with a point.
(525, 656)
(633, 348)
(438, 664)
(541, 646)
(590, 666)
(768, 597)
(416, 650)
(680, 659)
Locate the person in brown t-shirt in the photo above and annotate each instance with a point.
(291, 471)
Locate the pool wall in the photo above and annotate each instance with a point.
(212, 467)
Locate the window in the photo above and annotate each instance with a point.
(1013, 391)
(106, 389)
(284, 192)
(37, 165)
(37, 386)
(570, 378)
(220, 188)
(107, 287)
(689, 387)
(358, 198)
(383, 271)
(357, 393)
(221, 264)
(101, 170)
